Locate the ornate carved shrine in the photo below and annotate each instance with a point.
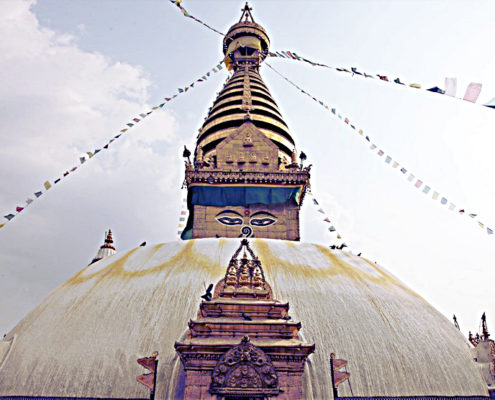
(243, 343)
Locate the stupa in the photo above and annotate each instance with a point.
(215, 306)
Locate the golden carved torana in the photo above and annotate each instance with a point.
(243, 342)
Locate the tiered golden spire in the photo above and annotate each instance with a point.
(245, 95)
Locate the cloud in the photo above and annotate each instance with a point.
(57, 102)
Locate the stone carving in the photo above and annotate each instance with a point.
(244, 369)
(244, 277)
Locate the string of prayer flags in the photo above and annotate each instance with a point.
(472, 92)
(183, 216)
(331, 228)
(418, 183)
(90, 154)
(186, 14)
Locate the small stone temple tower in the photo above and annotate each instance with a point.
(245, 180)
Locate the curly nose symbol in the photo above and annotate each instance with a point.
(246, 231)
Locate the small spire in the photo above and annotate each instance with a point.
(106, 249)
(246, 13)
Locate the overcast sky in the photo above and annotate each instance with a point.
(73, 73)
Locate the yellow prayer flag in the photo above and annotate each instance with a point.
(360, 132)
(47, 185)
(415, 85)
(338, 236)
(90, 154)
(395, 164)
(2, 225)
(155, 108)
(177, 2)
(481, 224)
(124, 130)
(435, 195)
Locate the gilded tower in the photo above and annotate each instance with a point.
(245, 180)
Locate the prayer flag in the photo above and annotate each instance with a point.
(97, 151)
(418, 183)
(426, 189)
(47, 185)
(338, 236)
(443, 200)
(130, 125)
(119, 135)
(436, 89)
(450, 86)
(19, 209)
(2, 225)
(182, 219)
(326, 220)
(461, 211)
(415, 85)
(346, 120)
(186, 88)
(451, 207)
(472, 92)
(382, 77)
(397, 80)
(481, 224)
(181, 226)
(360, 132)
(373, 146)
(388, 159)
(161, 105)
(395, 164)
(124, 130)
(332, 229)
(155, 108)
(38, 194)
(320, 210)
(167, 98)
(66, 173)
(214, 70)
(355, 71)
(403, 170)
(380, 153)
(73, 169)
(82, 159)
(342, 70)
(183, 212)
(368, 138)
(435, 195)
(56, 180)
(90, 154)
(491, 103)
(488, 230)
(142, 115)
(315, 202)
(9, 216)
(181, 90)
(29, 201)
(334, 110)
(410, 177)
(368, 76)
(106, 146)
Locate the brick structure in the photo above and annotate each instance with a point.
(245, 180)
(243, 343)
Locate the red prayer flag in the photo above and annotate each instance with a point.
(148, 363)
(147, 380)
(19, 209)
(340, 377)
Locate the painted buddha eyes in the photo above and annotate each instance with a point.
(230, 221)
(260, 218)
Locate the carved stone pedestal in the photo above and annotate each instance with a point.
(242, 344)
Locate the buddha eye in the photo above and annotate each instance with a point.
(230, 220)
(266, 221)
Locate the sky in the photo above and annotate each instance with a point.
(73, 73)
